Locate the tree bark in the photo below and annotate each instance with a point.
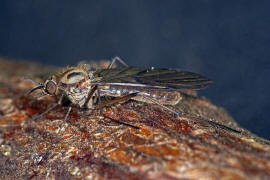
(132, 140)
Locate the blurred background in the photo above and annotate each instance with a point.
(227, 41)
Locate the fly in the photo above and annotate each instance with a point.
(84, 88)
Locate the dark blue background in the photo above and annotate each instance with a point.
(228, 41)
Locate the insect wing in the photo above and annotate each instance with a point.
(166, 79)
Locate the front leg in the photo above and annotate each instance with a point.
(89, 98)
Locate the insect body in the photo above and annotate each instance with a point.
(83, 88)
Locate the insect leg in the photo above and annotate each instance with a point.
(215, 124)
(99, 102)
(222, 126)
(116, 58)
(53, 144)
(90, 95)
(161, 105)
(122, 123)
(118, 99)
(42, 114)
(45, 112)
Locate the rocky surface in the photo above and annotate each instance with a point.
(133, 140)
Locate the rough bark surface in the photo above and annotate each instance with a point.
(132, 141)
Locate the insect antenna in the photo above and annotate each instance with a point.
(34, 89)
(32, 81)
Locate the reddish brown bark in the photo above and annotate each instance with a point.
(133, 141)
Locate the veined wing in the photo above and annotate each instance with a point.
(151, 78)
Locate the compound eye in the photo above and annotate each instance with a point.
(51, 87)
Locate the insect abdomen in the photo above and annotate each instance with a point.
(163, 97)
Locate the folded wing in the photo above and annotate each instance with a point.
(167, 79)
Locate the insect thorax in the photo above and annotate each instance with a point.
(76, 85)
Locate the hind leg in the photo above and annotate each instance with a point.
(116, 58)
